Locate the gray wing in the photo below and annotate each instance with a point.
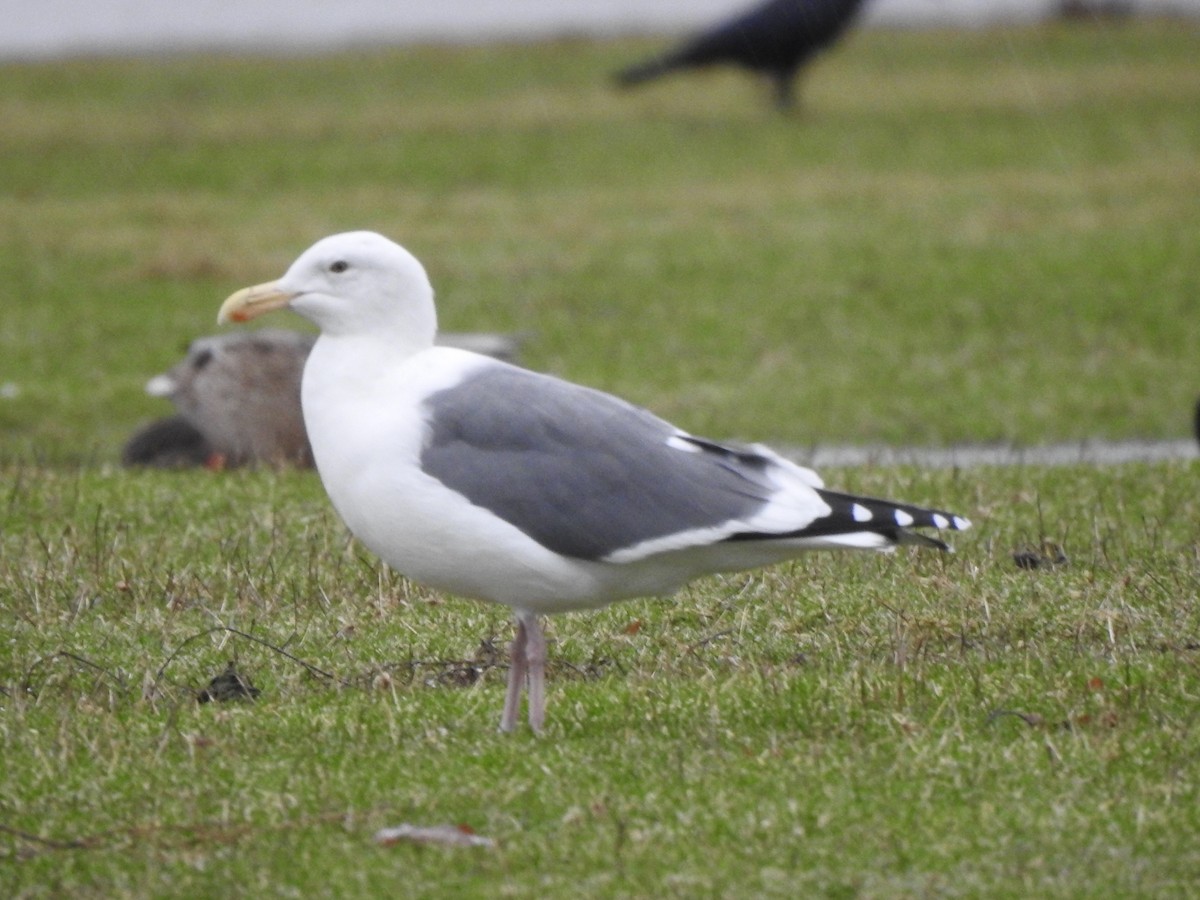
(580, 471)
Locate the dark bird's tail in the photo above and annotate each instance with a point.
(644, 71)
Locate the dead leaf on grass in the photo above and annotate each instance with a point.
(1033, 720)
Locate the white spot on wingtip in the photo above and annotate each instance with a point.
(903, 519)
(940, 521)
(961, 524)
(860, 513)
(677, 442)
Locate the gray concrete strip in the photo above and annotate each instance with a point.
(1089, 452)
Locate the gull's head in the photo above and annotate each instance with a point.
(358, 282)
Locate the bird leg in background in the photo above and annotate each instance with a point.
(528, 667)
(785, 89)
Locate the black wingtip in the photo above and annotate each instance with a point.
(916, 539)
(852, 517)
(895, 521)
(888, 513)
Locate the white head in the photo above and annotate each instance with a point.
(349, 284)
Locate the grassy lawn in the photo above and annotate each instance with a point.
(912, 725)
(976, 236)
(965, 236)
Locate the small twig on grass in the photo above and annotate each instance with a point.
(705, 641)
(458, 672)
(592, 670)
(1033, 720)
(488, 658)
(27, 681)
(47, 843)
(186, 835)
(315, 670)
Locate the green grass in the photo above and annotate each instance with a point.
(966, 236)
(916, 725)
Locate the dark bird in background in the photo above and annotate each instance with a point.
(776, 38)
(170, 443)
(237, 398)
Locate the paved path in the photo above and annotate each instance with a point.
(50, 28)
(966, 455)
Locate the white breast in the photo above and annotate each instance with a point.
(366, 425)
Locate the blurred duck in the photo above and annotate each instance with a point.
(238, 400)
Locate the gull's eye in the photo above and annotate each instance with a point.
(339, 267)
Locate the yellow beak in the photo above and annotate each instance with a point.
(252, 302)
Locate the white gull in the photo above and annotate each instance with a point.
(490, 481)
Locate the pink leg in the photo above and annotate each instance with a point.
(535, 658)
(517, 672)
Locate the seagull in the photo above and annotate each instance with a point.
(776, 38)
(241, 392)
(489, 481)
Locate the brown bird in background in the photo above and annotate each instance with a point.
(238, 400)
